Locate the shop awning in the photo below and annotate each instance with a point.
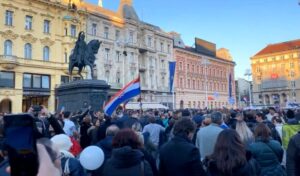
(145, 105)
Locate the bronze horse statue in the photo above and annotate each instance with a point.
(83, 55)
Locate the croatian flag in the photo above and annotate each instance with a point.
(131, 90)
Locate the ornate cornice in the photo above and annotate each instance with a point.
(9, 6)
(46, 15)
(28, 38)
(47, 41)
(30, 11)
(9, 34)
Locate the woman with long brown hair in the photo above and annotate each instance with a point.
(230, 157)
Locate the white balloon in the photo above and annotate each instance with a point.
(91, 158)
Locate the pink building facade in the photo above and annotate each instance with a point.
(202, 80)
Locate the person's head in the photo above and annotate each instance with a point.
(290, 114)
(229, 151)
(207, 120)
(262, 131)
(259, 117)
(186, 113)
(272, 110)
(276, 120)
(151, 119)
(184, 127)
(66, 114)
(112, 130)
(62, 142)
(216, 117)
(239, 117)
(126, 137)
(136, 127)
(244, 131)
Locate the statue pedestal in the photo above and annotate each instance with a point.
(80, 94)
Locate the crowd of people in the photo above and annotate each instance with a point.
(189, 142)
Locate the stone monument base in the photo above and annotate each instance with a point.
(80, 94)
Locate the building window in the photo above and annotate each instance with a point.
(292, 74)
(73, 30)
(180, 65)
(117, 35)
(106, 32)
(8, 48)
(28, 22)
(66, 31)
(46, 26)
(293, 83)
(107, 54)
(131, 36)
(64, 79)
(27, 51)
(292, 65)
(193, 68)
(193, 84)
(27, 80)
(66, 57)
(118, 79)
(46, 53)
(181, 83)
(162, 47)
(94, 29)
(36, 81)
(169, 48)
(118, 56)
(188, 67)
(189, 84)
(131, 58)
(149, 41)
(7, 79)
(9, 18)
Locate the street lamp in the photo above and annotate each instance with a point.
(248, 73)
(205, 62)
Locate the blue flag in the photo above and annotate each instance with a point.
(172, 66)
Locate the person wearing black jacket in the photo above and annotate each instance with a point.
(179, 157)
(293, 156)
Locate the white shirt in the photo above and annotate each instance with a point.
(69, 127)
(154, 131)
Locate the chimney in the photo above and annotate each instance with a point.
(100, 4)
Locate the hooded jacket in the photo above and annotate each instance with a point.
(126, 161)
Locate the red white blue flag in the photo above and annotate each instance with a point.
(131, 90)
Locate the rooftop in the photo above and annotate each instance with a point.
(279, 47)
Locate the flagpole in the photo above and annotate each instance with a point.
(173, 93)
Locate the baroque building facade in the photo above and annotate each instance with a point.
(36, 38)
(276, 74)
(131, 48)
(202, 75)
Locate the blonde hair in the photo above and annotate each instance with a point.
(244, 131)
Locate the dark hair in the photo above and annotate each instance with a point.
(261, 115)
(272, 108)
(290, 114)
(229, 152)
(126, 137)
(262, 131)
(151, 119)
(67, 114)
(183, 127)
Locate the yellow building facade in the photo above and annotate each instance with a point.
(36, 39)
(276, 74)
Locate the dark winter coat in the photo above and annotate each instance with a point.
(106, 146)
(179, 157)
(74, 166)
(293, 156)
(269, 156)
(85, 139)
(126, 161)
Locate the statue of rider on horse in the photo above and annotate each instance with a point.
(83, 55)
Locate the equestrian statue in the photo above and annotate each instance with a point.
(83, 55)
